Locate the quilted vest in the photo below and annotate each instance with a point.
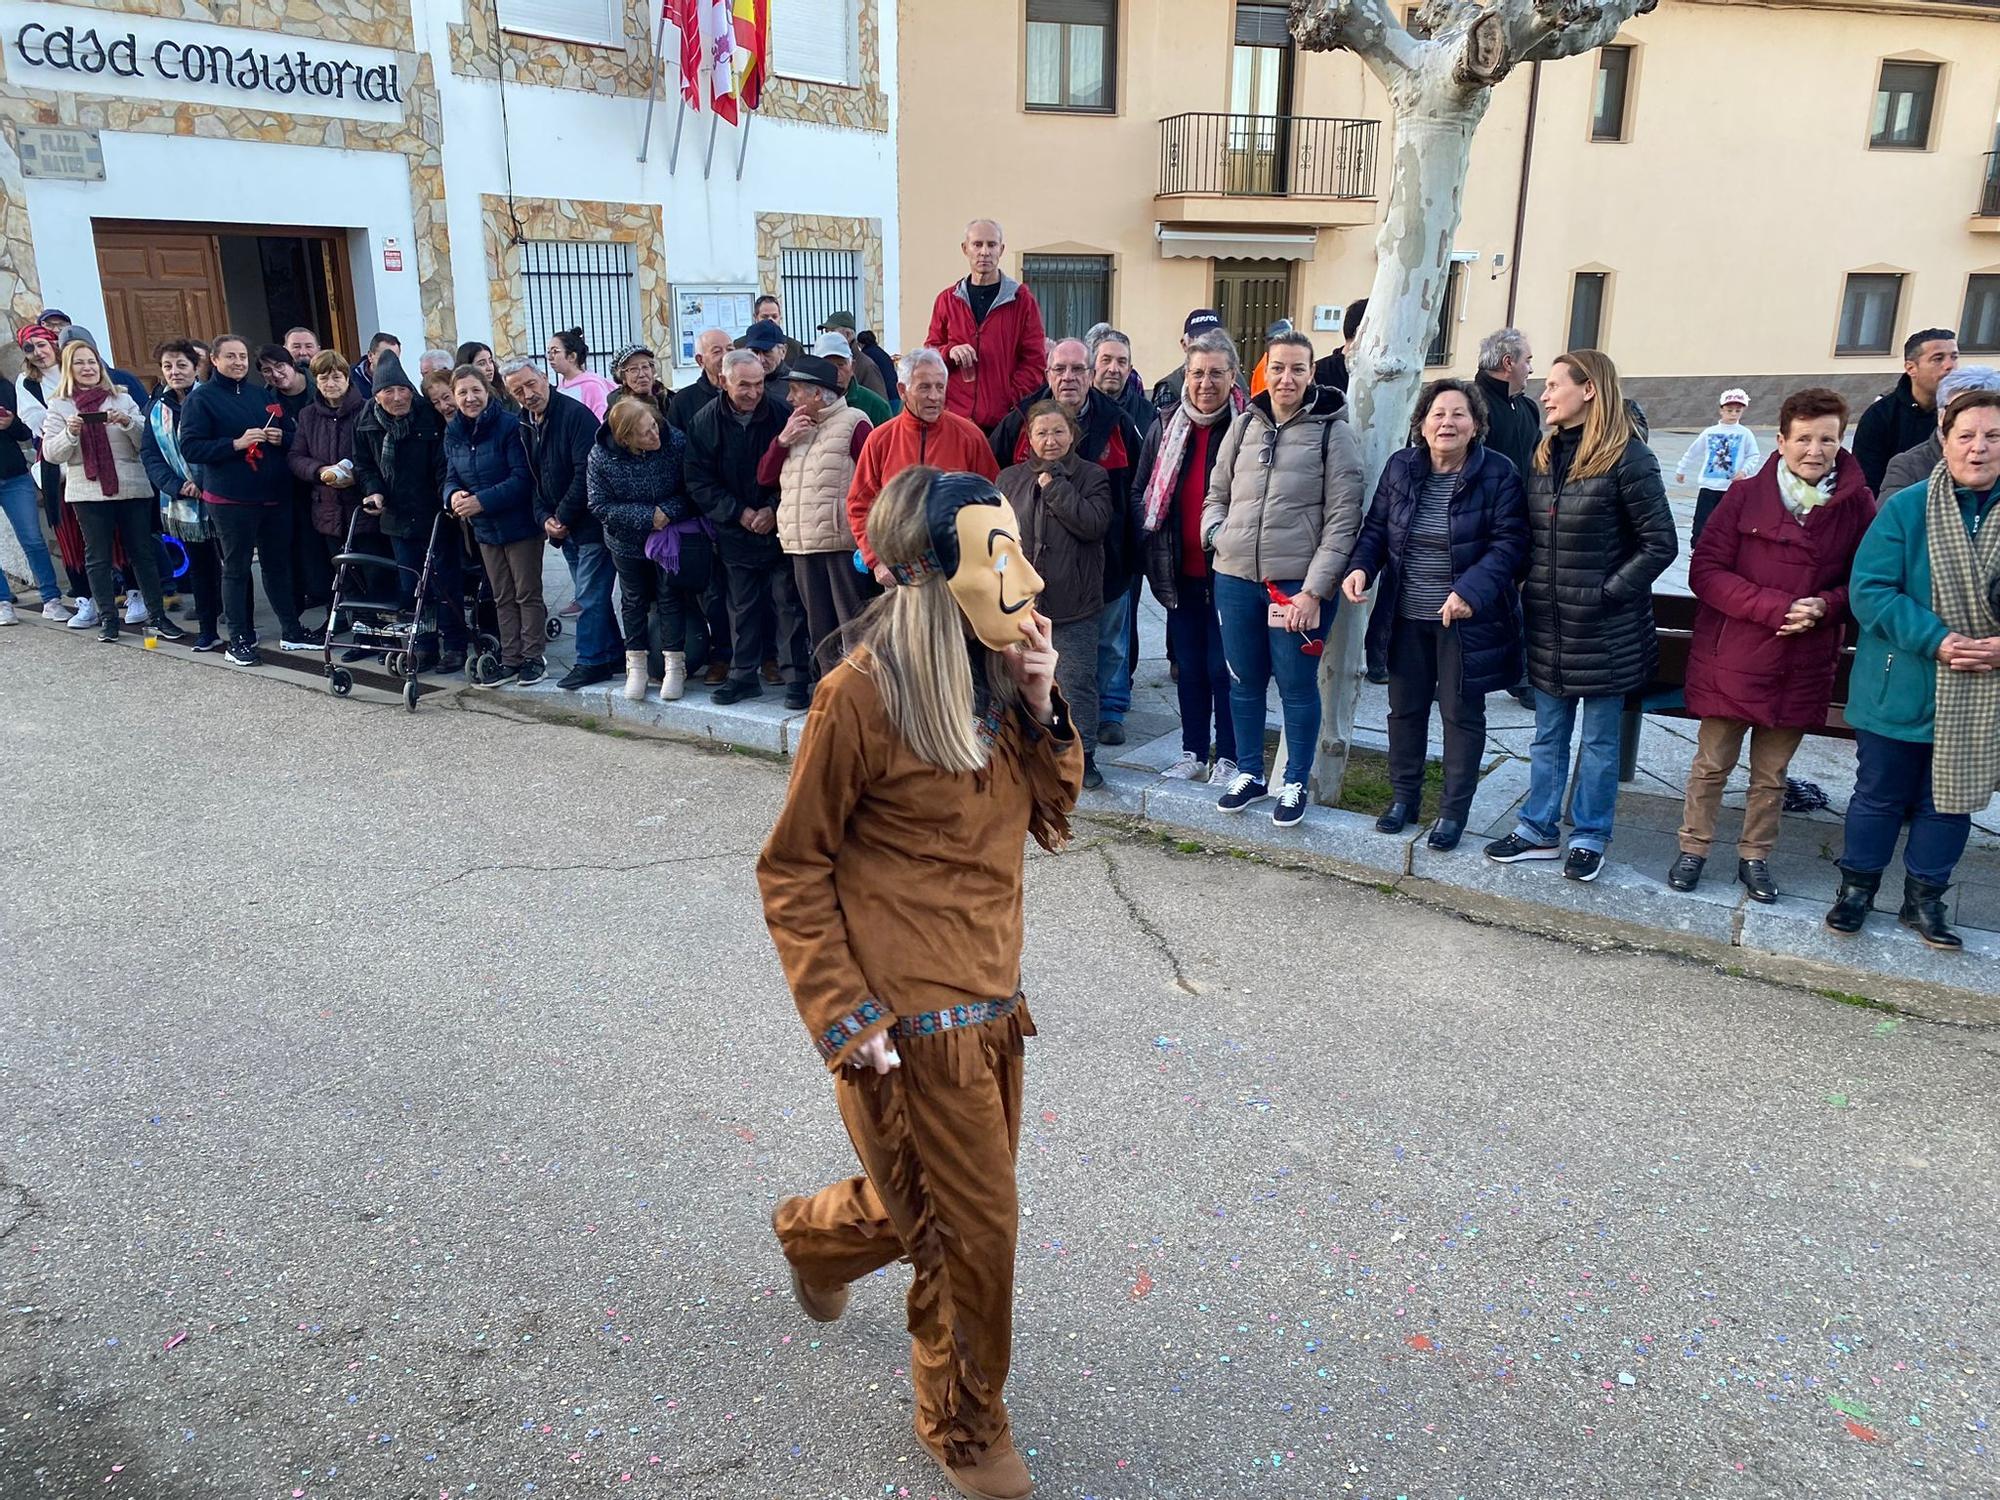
(812, 486)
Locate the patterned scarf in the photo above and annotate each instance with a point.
(1965, 760)
(1166, 475)
(1801, 497)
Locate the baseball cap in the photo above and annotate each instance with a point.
(832, 346)
(838, 320)
(810, 369)
(764, 334)
(1200, 321)
(52, 312)
(1734, 396)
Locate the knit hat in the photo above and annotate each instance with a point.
(764, 335)
(389, 372)
(76, 333)
(630, 351)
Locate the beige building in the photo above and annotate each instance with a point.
(1745, 192)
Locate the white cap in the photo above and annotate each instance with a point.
(832, 346)
(1734, 396)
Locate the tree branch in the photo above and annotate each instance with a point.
(1367, 28)
(1538, 30)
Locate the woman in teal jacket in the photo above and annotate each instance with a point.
(1924, 699)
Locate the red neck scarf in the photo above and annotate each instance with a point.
(100, 466)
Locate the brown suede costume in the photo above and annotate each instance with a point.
(893, 893)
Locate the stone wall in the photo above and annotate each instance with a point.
(571, 219)
(776, 232)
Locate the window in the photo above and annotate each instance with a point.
(1903, 101)
(1614, 87)
(1074, 291)
(1439, 352)
(597, 23)
(1586, 310)
(1979, 327)
(1072, 47)
(1868, 314)
(814, 40)
(814, 283)
(570, 284)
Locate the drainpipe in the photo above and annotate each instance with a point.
(1521, 199)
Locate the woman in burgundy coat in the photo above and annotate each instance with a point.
(1770, 572)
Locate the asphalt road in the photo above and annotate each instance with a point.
(395, 1106)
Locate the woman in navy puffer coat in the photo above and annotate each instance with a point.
(487, 482)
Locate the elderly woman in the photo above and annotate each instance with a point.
(1169, 485)
(322, 454)
(567, 355)
(488, 483)
(437, 391)
(1065, 506)
(1448, 538)
(1770, 571)
(1600, 533)
(637, 373)
(634, 486)
(1283, 509)
(93, 430)
(1924, 697)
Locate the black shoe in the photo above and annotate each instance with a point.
(1377, 675)
(167, 630)
(1583, 865)
(449, 663)
(736, 689)
(1395, 820)
(108, 631)
(1923, 914)
(1111, 732)
(1243, 791)
(1291, 807)
(580, 676)
(298, 638)
(1523, 696)
(208, 640)
(1092, 777)
(1513, 849)
(1685, 873)
(798, 696)
(1853, 902)
(242, 654)
(502, 675)
(1756, 878)
(530, 672)
(1445, 834)
(353, 653)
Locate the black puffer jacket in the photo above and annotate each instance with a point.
(1596, 547)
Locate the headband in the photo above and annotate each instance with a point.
(944, 498)
(35, 331)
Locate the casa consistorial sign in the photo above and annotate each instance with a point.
(126, 56)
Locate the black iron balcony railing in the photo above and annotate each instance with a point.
(1989, 192)
(1268, 156)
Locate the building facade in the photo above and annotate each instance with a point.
(443, 170)
(1748, 193)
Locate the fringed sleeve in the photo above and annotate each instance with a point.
(1052, 761)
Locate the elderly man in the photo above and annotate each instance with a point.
(1514, 418)
(709, 347)
(725, 444)
(989, 327)
(431, 361)
(811, 465)
(302, 344)
(1111, 373)
(924, 432)
(840, 354)
(767, 341)
(863, 371)
(559, 435)
(1904, 416)
(769, 309)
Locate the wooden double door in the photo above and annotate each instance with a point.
(158, 285)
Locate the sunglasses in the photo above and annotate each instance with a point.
(1268, 455)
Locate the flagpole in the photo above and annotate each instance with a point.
(653, 93)
(709, 161)
(743, 146)
(680, 120)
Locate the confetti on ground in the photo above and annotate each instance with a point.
(1866, 1434)
(1420, 1342)
(1142, 1285)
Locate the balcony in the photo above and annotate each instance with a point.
(1988, 216)
(1284, 170)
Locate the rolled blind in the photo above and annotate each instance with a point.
(1075, 12)
(814, 39)
(1263, 25)
(601, 22)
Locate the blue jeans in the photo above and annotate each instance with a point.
(1196, 636)
(19, 500)
(1596, 801)
(598, 642)
(1114, 660)
(1256, 653)
(1892, 786)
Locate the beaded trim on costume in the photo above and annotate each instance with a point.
(848, 1027)
(972, 1013)
(910, 572)
(987, 726)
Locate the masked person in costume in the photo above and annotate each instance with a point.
(892, 888)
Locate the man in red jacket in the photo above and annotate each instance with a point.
(923, 432)
(989, 329)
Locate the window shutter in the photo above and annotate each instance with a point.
(814, 39)
(597, 22)
(1076, 12)
(1263, 25)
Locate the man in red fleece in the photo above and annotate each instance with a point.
(989, 329)
(923, 432)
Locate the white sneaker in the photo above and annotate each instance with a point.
(135, 607)
(55, 609)
(86, 614)
(1223, 774)
(1187, 768)
(8, 614)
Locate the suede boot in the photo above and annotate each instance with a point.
(635, 675)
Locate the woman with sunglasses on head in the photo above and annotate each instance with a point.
(1283, 510)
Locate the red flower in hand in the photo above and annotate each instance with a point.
(254, 454)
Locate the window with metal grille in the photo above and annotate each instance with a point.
(1439, 352)
(576, 284)
(599, 23)
(1072, 46)
(1868, 307)
(1903, 101)
(1614, 86)
(814, 40)
(814, 283)
(1979, 328)
(1074, 291)
(1586, 310)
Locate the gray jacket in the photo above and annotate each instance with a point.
(1294, 517)
(1912, 466)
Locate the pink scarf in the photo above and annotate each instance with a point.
(1166, 475)
(100, 464)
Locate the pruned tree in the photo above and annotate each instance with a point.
(1440, 82)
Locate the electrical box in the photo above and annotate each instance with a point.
(1326, 317)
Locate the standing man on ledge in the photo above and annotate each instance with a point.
(988, 327)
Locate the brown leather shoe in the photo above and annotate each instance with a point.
(773, 675)
(1000, 1474)
(717, 673)
(821, 1304)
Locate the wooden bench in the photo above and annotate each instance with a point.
(1673, 624)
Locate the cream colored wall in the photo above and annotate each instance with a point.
(1729, 219)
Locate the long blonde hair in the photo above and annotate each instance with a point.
(66, 387)
(1607, 426)
(912, 642)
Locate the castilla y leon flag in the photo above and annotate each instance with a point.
(719, 31)
(684, 16)
(753, 49)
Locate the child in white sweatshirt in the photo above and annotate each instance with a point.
(1726, 452)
